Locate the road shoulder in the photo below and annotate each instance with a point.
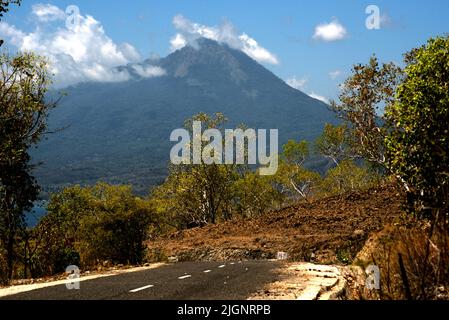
(15, 289)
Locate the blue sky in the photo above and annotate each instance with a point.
(285, 29)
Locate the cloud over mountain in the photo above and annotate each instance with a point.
(81, 53)
(85, 52)
(319, 97)
(301, 84)
(188, 32)
(296, 83)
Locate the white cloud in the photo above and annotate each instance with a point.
(14, 35)
(129, 52)
(334, 74)
(189, 31)
(47, 12)
(332, 31)
(255, 51)
(296, 83)
(319, 97)
(300, 84)
(84, 53)
(149, 71)
(177, 42)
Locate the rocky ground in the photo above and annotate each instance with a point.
(325, 231)
(305, 281)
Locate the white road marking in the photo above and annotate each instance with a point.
(222, 266)
(232, 263)
(184, 277)
(141, 288)
(28, 287)
(207, 271)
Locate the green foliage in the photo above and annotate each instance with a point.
(115, 227)
(364, 95)
(198, 194)
(344, 256)
(114, 132)
(347, 176)
(294, 180)
(418, 145)
(295, 152)
(85, 226)
(334, 143)
(201, 194)
(23, 112)
(58, 233)
(256, 194)
(195, 195)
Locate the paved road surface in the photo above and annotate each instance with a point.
(188, 280)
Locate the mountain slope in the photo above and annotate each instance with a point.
(330, 230)
(119, 132)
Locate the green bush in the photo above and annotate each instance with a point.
(255, 195)
(86, 226)
(418, 145)
(347, 176)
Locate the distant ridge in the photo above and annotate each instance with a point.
(119, 132)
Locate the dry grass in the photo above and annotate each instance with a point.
(326, 231)
(425, 261)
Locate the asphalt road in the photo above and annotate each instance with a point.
(180, 281)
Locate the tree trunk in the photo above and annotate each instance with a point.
(10, 255)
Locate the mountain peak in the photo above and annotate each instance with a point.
(127, 124)
(207, 60)
(200, 52)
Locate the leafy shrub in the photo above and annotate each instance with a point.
(294, 180)
(86, 226)
(255, 195)
(347, 176)
(418, 145)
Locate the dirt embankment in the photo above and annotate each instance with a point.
(326, 231)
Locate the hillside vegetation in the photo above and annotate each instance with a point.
(119, 132)
(385, 172)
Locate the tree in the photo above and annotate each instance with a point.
(24, 80)
(418, 144)
(347, 176)
(256, 194)
(333, 143)
(293, 178)
(198, 194)
(60, 230)
(295, 153)
(85, 225)
(369, 89)
(115, 227)
(4, 5)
